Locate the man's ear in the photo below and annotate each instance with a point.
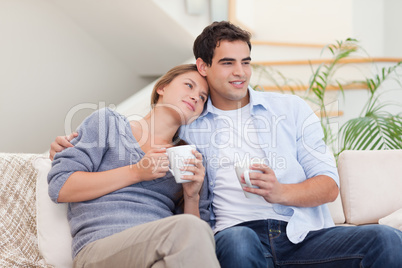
(201, 66)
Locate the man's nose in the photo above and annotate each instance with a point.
(238, 70)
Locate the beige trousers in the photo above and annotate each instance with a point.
(177, 241)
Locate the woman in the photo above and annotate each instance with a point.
(121, 196)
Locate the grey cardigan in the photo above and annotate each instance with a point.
(106, 142)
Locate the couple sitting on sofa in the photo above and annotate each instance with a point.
(120, 191)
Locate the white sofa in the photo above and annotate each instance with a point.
(370, 185)
(34, 232)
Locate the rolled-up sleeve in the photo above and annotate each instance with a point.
(312, 153)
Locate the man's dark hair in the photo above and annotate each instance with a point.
(205, 44)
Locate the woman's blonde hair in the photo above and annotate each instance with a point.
(169, 76)
(164, 81)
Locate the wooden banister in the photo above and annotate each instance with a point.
(329, 113)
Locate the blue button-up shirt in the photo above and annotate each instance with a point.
(291, 137)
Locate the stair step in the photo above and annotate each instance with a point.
(330, 113)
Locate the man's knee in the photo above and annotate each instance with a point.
(239, 246)
(390, 240)
(384, 244)
(386, 236)
(238, 240)
(392, 235)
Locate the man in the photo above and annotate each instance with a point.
(289, 225)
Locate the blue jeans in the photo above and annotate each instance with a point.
(264, 243)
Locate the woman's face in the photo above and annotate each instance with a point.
(186, 95)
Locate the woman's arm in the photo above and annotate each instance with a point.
(191, 205)
(75, 174)
(84, 186)
(191, 190)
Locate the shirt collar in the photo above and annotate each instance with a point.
(256, 100)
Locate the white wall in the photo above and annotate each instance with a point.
(245, 13)
(368, 25)
(307, 21)
(193, 15)
(392, 28)
(139, 33)
(61, 56)
(375, 23)
(48, 65)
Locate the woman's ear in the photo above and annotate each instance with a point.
(160, 91)
(201, 66)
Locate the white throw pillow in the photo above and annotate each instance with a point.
(393, 220)
(54, 238)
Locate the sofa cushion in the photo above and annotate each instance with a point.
(370, 184)
(18, 243)
(393, 220)
(54, 238)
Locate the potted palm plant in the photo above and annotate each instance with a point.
(375, 128)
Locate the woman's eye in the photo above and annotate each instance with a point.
(189, 85)
(202, 98)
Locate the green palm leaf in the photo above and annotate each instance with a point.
(375, 131)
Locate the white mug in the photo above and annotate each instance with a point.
(177, 155)
(242, 167)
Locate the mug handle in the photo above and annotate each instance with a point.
(247, 178)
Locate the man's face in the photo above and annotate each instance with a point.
(229, 75)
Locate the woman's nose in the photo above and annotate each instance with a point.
(195, 98)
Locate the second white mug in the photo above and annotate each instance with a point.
(243, 167)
